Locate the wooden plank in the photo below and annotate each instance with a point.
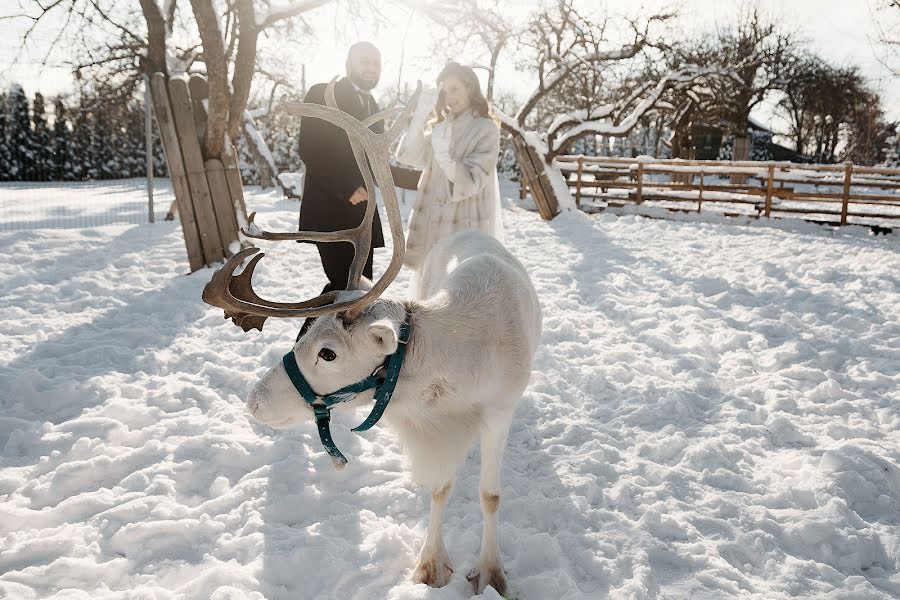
(824, 196)
(532, 166)
(873, 199)
(221, 198)
(529, 176)
(199, 91)
(769, 185)
(640, 182)
(848, 177)
(877, 171)
(195, 170)
(568, 168)
(172, 149)
(873, 215)
(226, 218)
(544, 179)
(578, 189)
(700, 195)
(235, 187)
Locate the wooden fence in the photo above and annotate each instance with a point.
(838, 194)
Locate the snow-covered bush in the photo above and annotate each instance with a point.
(892, 150)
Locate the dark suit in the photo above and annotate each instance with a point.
(332, 176)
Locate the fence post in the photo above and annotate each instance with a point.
(700, 197)
(640, 183)
(848, 176)
(769, 190)
(148, 146)
(578, 182)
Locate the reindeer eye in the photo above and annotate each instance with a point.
(327, 354)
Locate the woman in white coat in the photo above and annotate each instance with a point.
(457, 152)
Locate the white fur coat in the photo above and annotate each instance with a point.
(468, 197)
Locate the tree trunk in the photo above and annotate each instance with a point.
(217, 75)
(741, 148)
(244, 64)
(155, 61)
(495, 54)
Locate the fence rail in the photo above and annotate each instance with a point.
(837, 194)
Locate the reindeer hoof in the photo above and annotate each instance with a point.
(493, 576)
(433, 573)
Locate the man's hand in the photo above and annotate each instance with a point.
(360, 195)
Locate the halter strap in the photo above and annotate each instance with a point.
(322, 405)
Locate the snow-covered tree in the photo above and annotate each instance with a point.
(82, 146)
(892, 150)
(42, 167)
(18, 137)
(4, 147)
(63, 159)
(131, 149)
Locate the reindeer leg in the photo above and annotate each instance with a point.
(489, 570)
(434, 567)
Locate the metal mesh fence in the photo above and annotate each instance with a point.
(57, 204)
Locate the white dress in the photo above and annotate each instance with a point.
(458, 188)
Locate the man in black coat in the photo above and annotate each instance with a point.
(334, 194)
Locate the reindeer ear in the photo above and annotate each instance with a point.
(384, 336)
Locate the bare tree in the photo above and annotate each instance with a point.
(797, 104)
(761, 52)
(868, 133)
(587, 87)
(481, 24)
(152, 39)
(828, 106)
(886, 19)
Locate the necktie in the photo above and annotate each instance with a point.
(367, 102)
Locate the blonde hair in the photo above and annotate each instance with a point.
(465, 75)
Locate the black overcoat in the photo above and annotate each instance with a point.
(332, 174)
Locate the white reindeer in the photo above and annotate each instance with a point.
(472, 336)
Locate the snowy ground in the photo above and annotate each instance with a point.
(714, 413)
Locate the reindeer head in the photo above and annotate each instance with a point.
(337, 351)
(354, 333)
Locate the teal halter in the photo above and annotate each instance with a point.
(322, 405)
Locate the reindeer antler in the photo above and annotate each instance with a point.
(235, 294)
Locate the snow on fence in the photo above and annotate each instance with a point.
(837, 194)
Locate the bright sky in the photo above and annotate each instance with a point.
(840, 30)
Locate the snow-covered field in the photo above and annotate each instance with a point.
(714, 414)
